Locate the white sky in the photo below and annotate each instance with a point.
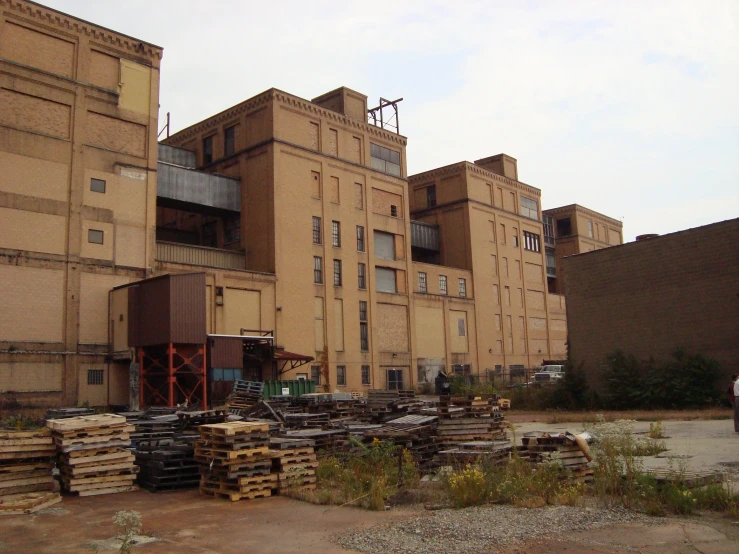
(628, 108)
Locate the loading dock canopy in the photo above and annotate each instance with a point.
(295, 360)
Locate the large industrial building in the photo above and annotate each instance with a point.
(299, 247)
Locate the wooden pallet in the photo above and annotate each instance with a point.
(235, 496)
(235, 428)
(111, 490)
(229, 455)
(86, 423)
(28, 503)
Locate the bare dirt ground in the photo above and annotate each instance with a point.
(187, 523)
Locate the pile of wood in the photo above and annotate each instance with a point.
(414, 432)
(294, 462)
(474, 452)
(235, 461)
(327, 441)
(244, 395)
(63, 413)
(168, 468)
(572, 451)
(467, 418)
(26, 463)
(93, 455)
(385, 405)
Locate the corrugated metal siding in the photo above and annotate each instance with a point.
(200, 255)
(195, 187)
(154, 311)
(187, 308)
(177, 156)
(134, 316)
(424, 235)
(226, 352)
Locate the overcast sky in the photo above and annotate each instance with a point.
(628, 108)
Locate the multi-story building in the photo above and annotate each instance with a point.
(78, 153)
(573, 229)
(489, 240)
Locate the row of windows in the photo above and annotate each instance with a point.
(531, 241)
(423, 284)
(229, 145)
(315, 374)
(338, 280)
(336, 234)
(385, 160)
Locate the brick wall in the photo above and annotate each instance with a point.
(649, 297)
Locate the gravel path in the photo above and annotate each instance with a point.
(480, 530)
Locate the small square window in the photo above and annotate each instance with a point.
(95, 236)
(95, 376)
(341, 375)
(393, 210)
(97, 185)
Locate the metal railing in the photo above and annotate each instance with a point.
(200, 255)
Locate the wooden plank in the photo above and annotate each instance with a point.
(4, 477)
(32, 434)
(45, 453)
(86, 461)
(6, 444)
(85, 422)
(26, 481)
(112, 490)
(28, 503)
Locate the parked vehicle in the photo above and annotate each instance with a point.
(547, 378)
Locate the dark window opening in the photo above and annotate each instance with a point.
(316, 230)
(317, 270)
(365, 375)
(564, 227)
(431, 196)
(94, 236)
(97, 185)
(341, 375)
(207, 150)
(95, 376)
(229, 141)
(337, 273)
(361, 276)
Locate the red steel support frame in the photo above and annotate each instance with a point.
(181, 371)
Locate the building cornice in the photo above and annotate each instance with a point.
(294, 102)
(68, 23)
(585, 211)
(454, 169)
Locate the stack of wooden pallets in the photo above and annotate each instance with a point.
(93, 455)
(294, 462)
(385, 405)
(571, 451)
(245, 394)
(26, 463)
(468, 418)
(235, 460)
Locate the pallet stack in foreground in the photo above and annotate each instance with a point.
(26, 463)
(92, 451)
(572, 451)
(294, 461)
(235, 461)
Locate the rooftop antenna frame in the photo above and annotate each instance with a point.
(392, 123)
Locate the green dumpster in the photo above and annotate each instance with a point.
(293, 388)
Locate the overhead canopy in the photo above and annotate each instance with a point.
(295, 360)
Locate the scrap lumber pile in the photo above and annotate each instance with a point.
(235, 461)
(385, 405)
(466, 418)
(294, 461)
(337, 405)
(244, 395)
(63, 413)
(572, 451)
(92, 454)
(26, 463)
(326, 441)
(414, 432)
(474, 452)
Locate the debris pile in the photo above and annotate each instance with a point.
(93, 456)
(245, 394)
(572, 451)
(294, 461)
(26, 464)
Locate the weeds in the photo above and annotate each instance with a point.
(655, 430)
(367, 479)
(129, 524)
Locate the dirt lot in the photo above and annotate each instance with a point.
(186, 522)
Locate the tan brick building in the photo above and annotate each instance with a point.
(78, 150)
(651, 296)
(572, 230)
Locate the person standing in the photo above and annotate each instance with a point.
(735, 394)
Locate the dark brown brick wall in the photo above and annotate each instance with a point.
(649, 297)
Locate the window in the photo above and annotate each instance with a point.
(94, 236)
(341, 375)
(431, 196)
(365, 375)
(531, 241)
(515, 239)
(461, 327)
(229, 141)
(360, 238)
(207, 150)
(95, 376)
(363, 329)
(316, 230)
(393, 210)
(422, 282)
(317, 269)
(385, 160)
(462, 288)
(385, 280)
(97, 185)
(590, 228)
(564, 227)
(394, 379)
(529, 208)
(502, 235)
(337, 273)
(549, 230)
(232, 229)
(358, 196)
(301, 376)
(384, 245)
(220, 374)
(361, 276)
(336, 233)
(315, 374)
(442, 284)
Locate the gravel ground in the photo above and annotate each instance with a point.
(480, 530)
